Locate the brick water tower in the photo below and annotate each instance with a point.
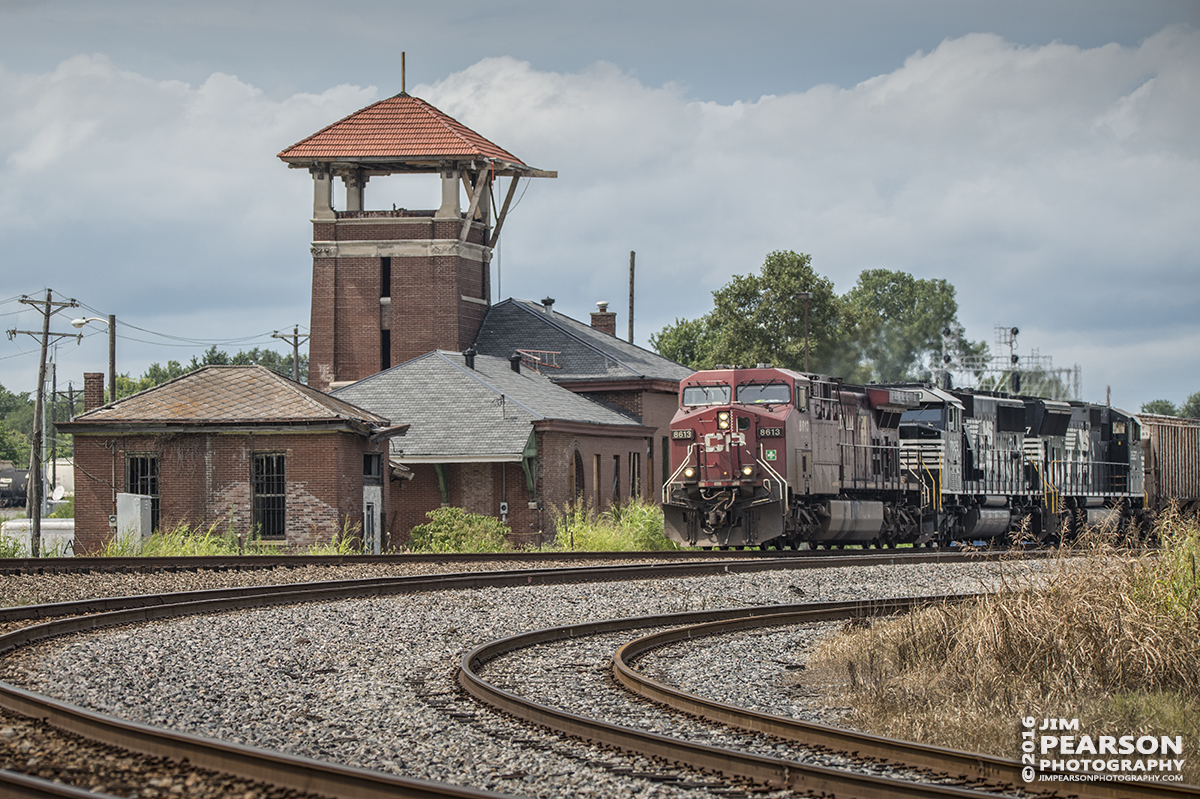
(389, 285)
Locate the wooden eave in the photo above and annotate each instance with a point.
(158, 426)
(378, 166)
(581, 385)
(593, 428)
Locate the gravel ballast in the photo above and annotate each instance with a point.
(369, 682)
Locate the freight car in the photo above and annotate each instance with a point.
(777, 458)
(1170, 446)
(13, 485)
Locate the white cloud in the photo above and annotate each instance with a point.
(1056, 187)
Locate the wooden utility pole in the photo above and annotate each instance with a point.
(631, 257)
(294, 340)
(33, 501)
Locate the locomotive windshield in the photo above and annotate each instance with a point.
(763, 393)
(927, 417)
(706, 395)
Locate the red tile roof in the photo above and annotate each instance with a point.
(400, 127)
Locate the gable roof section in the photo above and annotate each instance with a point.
(480, 414)
(586, 353)
(228, 395)
(398, 128)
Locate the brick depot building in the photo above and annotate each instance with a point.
(411, 289)
(236, 446)
(492, 436)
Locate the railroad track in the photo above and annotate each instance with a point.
(951, 773)
(84, 565)
(298, 773)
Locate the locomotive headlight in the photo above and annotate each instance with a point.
(747, 470)
(689, 472)
(723, 420)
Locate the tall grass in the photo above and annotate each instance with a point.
(1109, 636)
(217, 541)
(182, 541)
(636, 526)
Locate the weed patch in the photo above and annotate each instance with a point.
(635, 526)
(1109, 635)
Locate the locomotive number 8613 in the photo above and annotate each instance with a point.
(772, 457)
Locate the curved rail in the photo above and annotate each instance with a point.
(275, 768)
(772, 771)
(76, 565)
(341, 589)
(15, 785)
(967, 764)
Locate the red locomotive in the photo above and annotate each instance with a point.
(773, 457)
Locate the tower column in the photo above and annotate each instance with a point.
(449, 208)
(356, 183)
(322, 193)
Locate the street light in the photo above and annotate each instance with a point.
(806, 296)
(111, 321)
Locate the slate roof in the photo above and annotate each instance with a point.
(398, 128)
(227, 395)
(481, 413)
(586, 353)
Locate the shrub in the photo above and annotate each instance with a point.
(635, 526)
(455, 530)
(65, 509)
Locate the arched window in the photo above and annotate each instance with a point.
(577, 481)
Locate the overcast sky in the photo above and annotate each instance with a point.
(1043, 157)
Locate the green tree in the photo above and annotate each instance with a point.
(157, 374)
(887, 328)
(1161, 407)
(16, 425)
(686, 341)
(13, 447)
(760, 318)
(1191, 408)
(896, 323)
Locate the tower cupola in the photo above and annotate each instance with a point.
(392, 284)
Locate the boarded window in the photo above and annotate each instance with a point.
(270, 495)
(616, 487)
(635, 475)
(141, 477)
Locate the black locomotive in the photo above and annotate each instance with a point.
(772, 457)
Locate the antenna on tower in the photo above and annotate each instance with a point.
(402, 89)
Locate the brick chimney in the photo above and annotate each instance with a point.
(93, 390)
(604, 320)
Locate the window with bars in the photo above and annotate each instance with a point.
(269, 490)
(141, 477)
